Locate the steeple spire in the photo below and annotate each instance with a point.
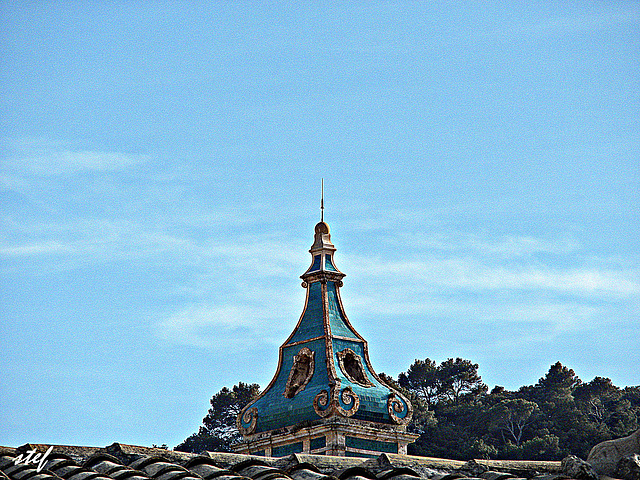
(322, 200)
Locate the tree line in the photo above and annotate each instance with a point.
(457, 416)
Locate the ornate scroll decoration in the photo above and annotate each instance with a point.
(321, 404)
(246, 421)
(301, 372)
(396, 405)
(328, 403)
(351, 365)
(348, 397)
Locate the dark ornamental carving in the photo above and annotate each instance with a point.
(246, 421)
(395, 405)
(301, 372)
(326, 404)
(351, 365)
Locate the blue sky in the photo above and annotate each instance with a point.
(160, 167)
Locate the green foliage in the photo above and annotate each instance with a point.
(459, 378)
(423, 380)
(451, 381)
(225, 407)
(479, 448)
(559, 382)
(557, 416)
(204, 442)
(218, 431)
(541, 448)
(511, 418)
(423, 418)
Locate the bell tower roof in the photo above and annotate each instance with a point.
(324, 376)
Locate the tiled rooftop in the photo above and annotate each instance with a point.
(128, 462)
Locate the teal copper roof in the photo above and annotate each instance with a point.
(324, 369)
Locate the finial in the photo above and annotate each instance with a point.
(322, 200)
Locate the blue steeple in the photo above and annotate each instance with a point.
(324, 373)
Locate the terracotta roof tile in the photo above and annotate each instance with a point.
(358, 472)
(130, 462)
(6, 460)
(228, 460)
(12, 471)
(326, 464)
(520, 467)
(206, 468)
(397, 473)
(449, 476)
(66, 468)
(307, 471)
(20, 471)
(491, 475)
(551, 476)
(40, 476)
(111, 466)
(161, 469)
(259, 470)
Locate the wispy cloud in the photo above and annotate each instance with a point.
(430, 230)
(479, 276)
(468, 273)
(35, 249)
(541, 288)
(429, 255)
(580, 23)
(48, 162)
(93, 240)
(46, 158)
(234, 327)
(550, 300)
(502, 246)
